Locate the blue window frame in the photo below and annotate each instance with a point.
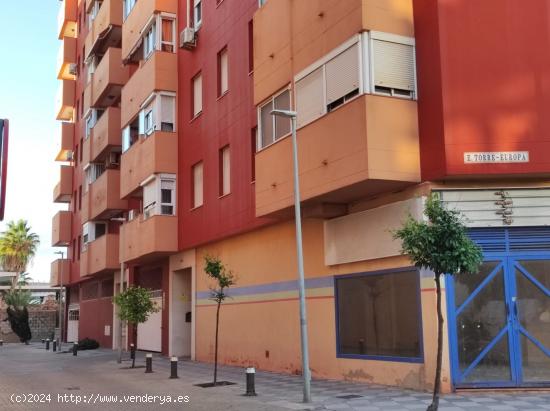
(379, 315)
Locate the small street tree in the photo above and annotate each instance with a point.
(135, 306)
(223, 279)
(441, 245)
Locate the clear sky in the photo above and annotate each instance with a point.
(28, 84)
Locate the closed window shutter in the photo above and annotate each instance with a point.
(393, 65)
(167, 109)
(149, 197)
(142, 122)
(197, 185)
(197, 95)
(226, 164)
(309, 97)
(266, 124)
(342, 74)
(224, 72)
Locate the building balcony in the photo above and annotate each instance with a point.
(64, 189)
(105, 135)
(367, 146)
(106, 29)
(67, 141)
(66, 19)
(159, 72)
(144, 239)
(60, 272)
(66, 59)
(102, 201)
(101, 256)
(157, 153)
(61, 229)
(132, 29)
(65, 100)
(108, 79)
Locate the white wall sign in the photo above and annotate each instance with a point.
(496, 157)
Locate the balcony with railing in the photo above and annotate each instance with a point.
(100, 256)
(153, 237)
(64, 189)
(61, 229)
(108, 79)
(67, 141)
(66, 19)
(106, 28)
(66, 59)
(102, 201)
(65, 100)
(60, 272)
(105, 135)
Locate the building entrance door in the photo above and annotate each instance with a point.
(499, 322)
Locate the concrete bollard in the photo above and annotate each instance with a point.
(75, 349)
(250, 382)
(133, 355)
(54, 345)
(47, 344)
(148, 363)
(174, 367)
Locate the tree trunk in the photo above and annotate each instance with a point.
(216, 344)
(134, 338)
(19, 322)
(437, 383)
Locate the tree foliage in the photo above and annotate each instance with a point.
(135, 305)
(440, 244)
(223, 278)
(18, 246)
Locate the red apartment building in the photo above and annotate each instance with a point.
(170, 153)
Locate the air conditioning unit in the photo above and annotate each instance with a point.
(73, 69)
(188, 38)
(70, 155)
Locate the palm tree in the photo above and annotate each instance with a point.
(17, 248)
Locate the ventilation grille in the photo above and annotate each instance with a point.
(515, 240)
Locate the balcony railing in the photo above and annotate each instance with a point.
(152, 237)
(65, 100)
(108, 79)
(103, 197)
(66, 59)
(66, 19)
(67, 141)
(106, 29)
(64, 189)
(105, 134)
(157, 153)
(60, 272)
(61, 229)
(101, 256)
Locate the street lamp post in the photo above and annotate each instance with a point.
(121, 220)
(61, 310)
(299, 250)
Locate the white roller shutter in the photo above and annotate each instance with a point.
(197, 185)
(149, 194)
(167, 110)
(310, 102)
(197, 95)
(393, 65)
(342, 74)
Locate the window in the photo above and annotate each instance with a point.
(272, 127)
(225, 171)
(374, 62)
(149, 124)
(197, 94)
(261, 2)
(93, 172)
(128, 6)
(253, 145)
(168, 35)
(95, 10)
(91, 64)
(80, 197)
(197, 13)
(223, 75)
(393, 68)
(78, 249)
(91, 120)
(159, 195)
(91, 231)
(378, 315)
(149, 41)
(130, 135)
(250, 46)
(197, 184)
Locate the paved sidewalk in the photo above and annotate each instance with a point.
(33, 370)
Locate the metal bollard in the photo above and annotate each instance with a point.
(133, 355)
(250, 382)
(148, 363)
(1, 343)
(43, 340)
(75, 349)
(48, 344)
(54, 345)
(174, 367)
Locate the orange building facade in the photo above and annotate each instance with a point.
(170, 153)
